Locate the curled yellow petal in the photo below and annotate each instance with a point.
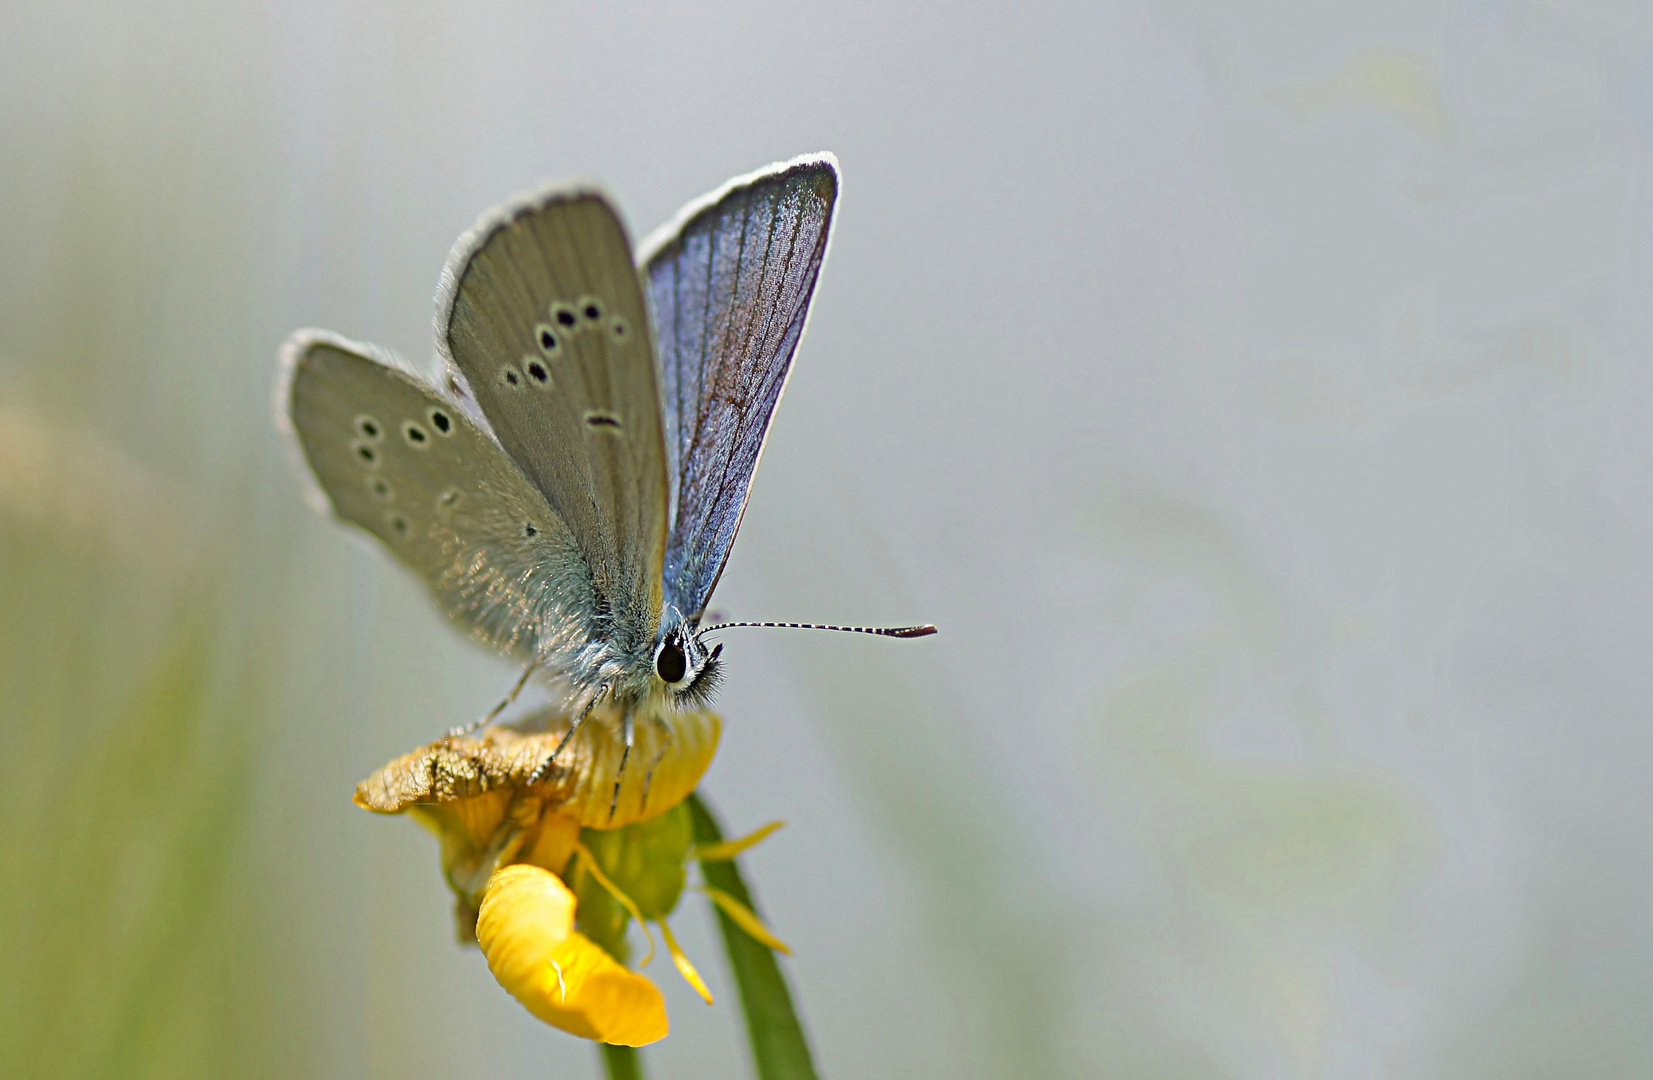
(526, 930)
(745, 918)
(728, 849)
(681, 959)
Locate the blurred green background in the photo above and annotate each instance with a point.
(1255, 394)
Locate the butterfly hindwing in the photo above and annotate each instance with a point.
(404, 463)
(542, 313)
(730, 286)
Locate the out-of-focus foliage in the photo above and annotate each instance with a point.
(138, 928)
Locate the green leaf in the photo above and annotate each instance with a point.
(779, 1049)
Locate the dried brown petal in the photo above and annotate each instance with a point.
(497, 759)
(670, 752)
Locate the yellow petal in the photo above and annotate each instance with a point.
(745, 918)
(681, 959)
(728, 849)
(671, 752)
(555, 842)
(526, 930)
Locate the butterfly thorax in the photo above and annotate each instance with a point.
(671, 669)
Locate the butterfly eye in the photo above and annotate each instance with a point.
(369, 428)
(670, 663)
(441, 421)
(617, 327)
(564, 316)
(591, 308)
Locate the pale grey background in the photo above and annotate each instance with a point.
(1256, 394)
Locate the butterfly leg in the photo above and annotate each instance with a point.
(510, 699)
(545, 766)
(628, 727)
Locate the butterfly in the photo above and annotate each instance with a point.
(571, 487)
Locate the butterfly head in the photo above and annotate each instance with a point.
(684, 666)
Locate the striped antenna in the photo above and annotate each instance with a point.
(882, 631)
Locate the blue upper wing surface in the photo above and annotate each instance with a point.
(730, 285)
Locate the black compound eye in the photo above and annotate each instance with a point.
(671, 664)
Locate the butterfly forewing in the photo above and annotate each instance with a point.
(730, 289)
(543, 314)
(404, 463)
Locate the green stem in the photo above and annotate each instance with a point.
(622, 1062)
(779, 1049)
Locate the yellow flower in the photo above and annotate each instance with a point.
(548, 877)
(472, 791)
(526, 930)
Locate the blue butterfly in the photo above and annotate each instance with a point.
(571, 492)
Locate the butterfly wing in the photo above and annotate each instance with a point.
(730, 284)
(406, 464)
(541, 311)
